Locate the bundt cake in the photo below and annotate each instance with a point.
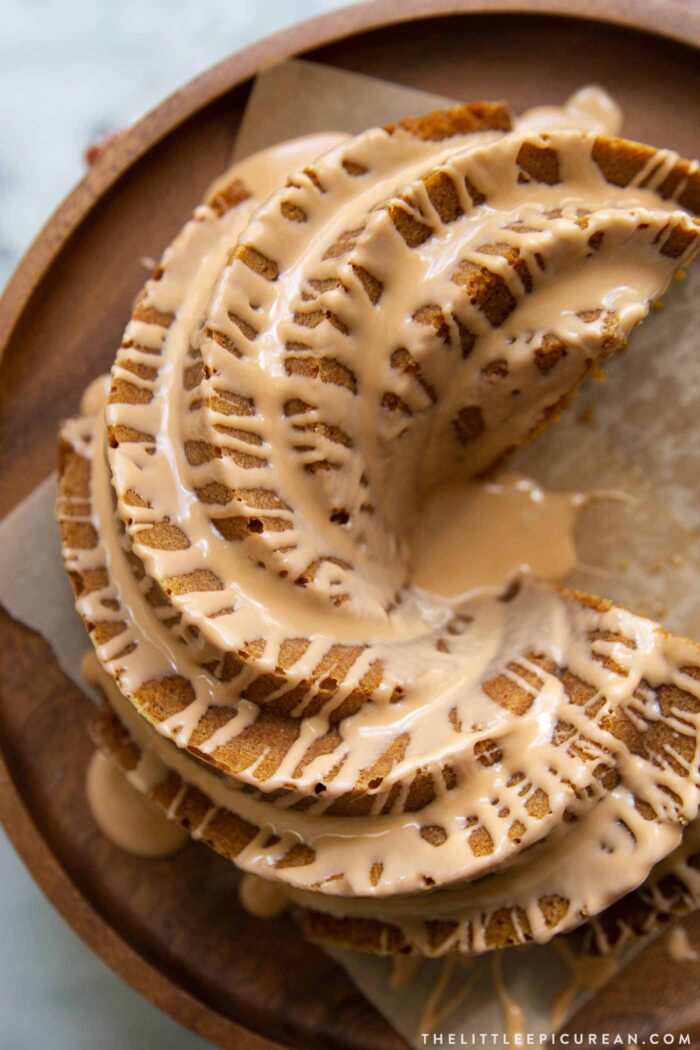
(417, 773)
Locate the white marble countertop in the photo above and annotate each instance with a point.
(70, 71)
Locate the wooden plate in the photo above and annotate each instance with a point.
(173, 927)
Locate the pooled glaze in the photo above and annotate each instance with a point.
(262, 898)
(514, 1021)
(587, 973)
(211, 341)
(125, 816)
(678, 946)
(590, 109)
(117, 800)
(443, 999)
(502, 528)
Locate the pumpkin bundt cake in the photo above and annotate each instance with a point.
(417, 774)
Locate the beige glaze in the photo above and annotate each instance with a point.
(444, 998)
(514, 1021)
(125, 816)
(262, 898)
(403, 969)
(502, 529)
(439, 657)
(588, 973)
(678, 946)
(118, 801)
(591, 109)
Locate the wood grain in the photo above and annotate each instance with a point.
(173, 928)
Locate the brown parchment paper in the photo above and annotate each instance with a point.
(634, 438)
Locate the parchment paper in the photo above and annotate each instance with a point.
(637, 436)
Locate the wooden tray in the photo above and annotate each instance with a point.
(173, 927)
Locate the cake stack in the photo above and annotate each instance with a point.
(415, 774)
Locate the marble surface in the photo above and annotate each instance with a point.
(70, 71)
